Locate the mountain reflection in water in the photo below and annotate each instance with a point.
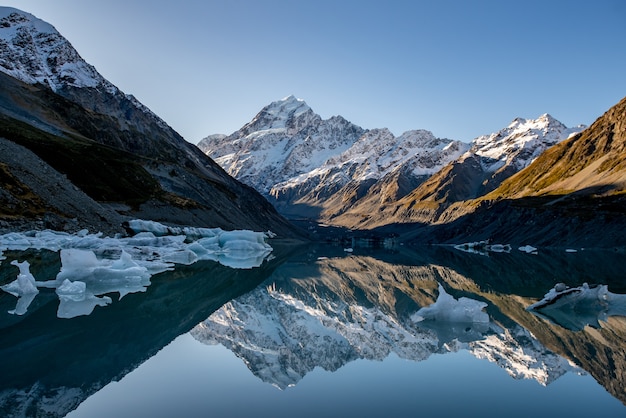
(316, 307)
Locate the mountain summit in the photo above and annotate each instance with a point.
(306, 165)
(285, 139)
(33, 51)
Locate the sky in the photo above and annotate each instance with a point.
(459, 68)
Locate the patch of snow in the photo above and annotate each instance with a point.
(520, 143)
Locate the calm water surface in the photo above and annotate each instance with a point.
(318, 332)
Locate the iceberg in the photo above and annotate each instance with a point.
(103, 276)
(23, 287)
(448, 309)
(125, 264)
(574, 308)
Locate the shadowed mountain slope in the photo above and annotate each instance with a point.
(105, 143)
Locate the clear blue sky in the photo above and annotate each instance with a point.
(458, 68)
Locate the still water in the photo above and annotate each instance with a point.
(316, 331)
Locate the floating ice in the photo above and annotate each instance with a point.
(528, 249)
(576, 307)
(483, 247)
(23, 287)
(103, 276)
(125, 264)
(448, 309)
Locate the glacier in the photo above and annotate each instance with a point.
(93, 265)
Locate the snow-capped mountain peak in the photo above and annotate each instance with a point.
(289, 113)
(521, 142)
(33, 51)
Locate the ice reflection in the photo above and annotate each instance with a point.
(89, 270)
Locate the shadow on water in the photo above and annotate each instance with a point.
(44, 355)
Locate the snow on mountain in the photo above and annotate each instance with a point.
(285, 139)
(521, 142)
(34, 52)
(289, 153)
(376, 154)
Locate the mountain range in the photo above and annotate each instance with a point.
(79, 153)
(428, 189)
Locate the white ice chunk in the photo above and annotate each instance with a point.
(241, 261)
(576, 307)
(228, 237)
(25, 282)
(15, 241)
(74, 290)
(528, 249)
(448, 309)
(23, 287)
(103, 276)
(186, 257)
(138, 225)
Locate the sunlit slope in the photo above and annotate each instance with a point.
(590, 163)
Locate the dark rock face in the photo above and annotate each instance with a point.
(121, 156)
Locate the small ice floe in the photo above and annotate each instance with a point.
(529, 249)
(103, 276)
(449, 309)
(576, 307)
(483, 247)
(23, 287)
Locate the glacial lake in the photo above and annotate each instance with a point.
(318, 331)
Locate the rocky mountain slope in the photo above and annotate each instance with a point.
(106, 142)
(573, 194)
(306, 165)
(591, 163)
(490, 160)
